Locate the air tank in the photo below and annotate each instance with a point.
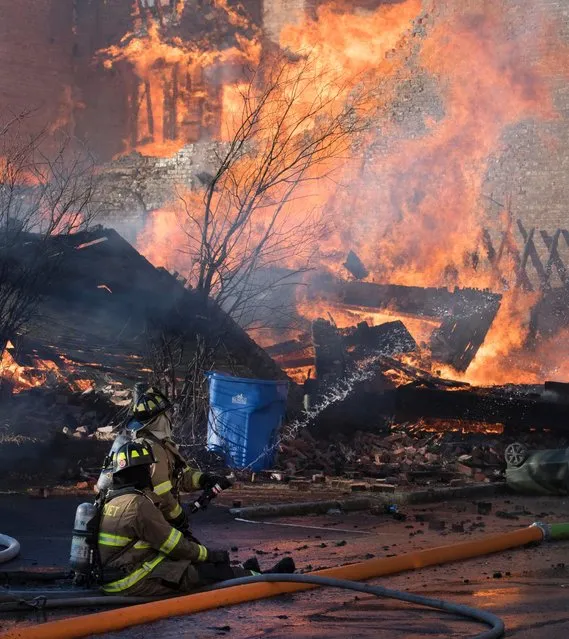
(83, 539)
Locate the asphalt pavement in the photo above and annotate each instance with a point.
(528, 588)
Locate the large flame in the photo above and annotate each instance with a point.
(411, 203)
(171, 100)
(40, 373)
(427, 190)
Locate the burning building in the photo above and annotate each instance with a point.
(446, 212)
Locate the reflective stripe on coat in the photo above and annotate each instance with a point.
(134, 518)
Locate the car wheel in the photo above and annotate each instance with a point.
(516, 454)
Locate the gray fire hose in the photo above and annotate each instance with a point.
(12, 548)
(69, 599)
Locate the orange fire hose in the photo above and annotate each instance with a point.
(114, 620)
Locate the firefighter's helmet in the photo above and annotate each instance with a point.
(148, 404)
(132, 454)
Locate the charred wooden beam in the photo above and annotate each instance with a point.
(508, 243)
(296, 362)
(552, 244)
(414, 300)
(134, 111)
(389, 338)
(159, 12)
(530, 252)
(149, 111)
(493, 257)
(386, 339)
(168, 106)
(550, 314)
(290, 346)
(355, 266)
(175, 98)
(488, 246)
(330, 357)
(560, 389)
(463, 331)
(466, 314)
(519, 409)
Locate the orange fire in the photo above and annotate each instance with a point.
(411, 202)
(171, 101)
(42, 372)
(12, 371)
(347, 316)
(443, 426)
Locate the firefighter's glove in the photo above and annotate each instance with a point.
(181, 522)
(209, 481)
(218, 556)
(189, 537)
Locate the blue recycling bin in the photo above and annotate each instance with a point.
(245, 416)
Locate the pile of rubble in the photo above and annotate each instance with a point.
(409, 454)
(40, 412)
(50, 435)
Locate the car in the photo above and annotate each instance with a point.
(542, 472)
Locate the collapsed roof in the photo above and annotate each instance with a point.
(108, 302)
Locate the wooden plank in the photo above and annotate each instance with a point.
(175, 98)
(507, 237)
(552, 244)
(387, 338)
(466, 314)
(521, 281)
(149, 112)
(297, 362)
(329, 351)
(518, 410)
(355, 266)
(492, 256)
(530, 252)
(134, 111)
(288, 347)
(488, 246)
(508, 244)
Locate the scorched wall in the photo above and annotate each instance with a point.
(36, 59)
(47, 63)
(534, 166)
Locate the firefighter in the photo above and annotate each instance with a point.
(151, 423)
(140, 553)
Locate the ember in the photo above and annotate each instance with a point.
(411, 453)
(42, 371)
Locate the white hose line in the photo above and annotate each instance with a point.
(12, 548)
(330, 530)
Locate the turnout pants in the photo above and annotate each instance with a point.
(171, 577)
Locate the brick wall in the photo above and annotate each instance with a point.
(531, 165)
(278, 13)
(36, 58)
(139, 184)
(46, 62)
(102, 115)
(534, 166)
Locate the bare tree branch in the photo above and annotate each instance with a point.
(295, 123)
(48, 186)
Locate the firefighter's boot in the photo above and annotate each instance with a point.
(285, 566)
(252, 564)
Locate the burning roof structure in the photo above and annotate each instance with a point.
(414, 238)
(98, 317)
